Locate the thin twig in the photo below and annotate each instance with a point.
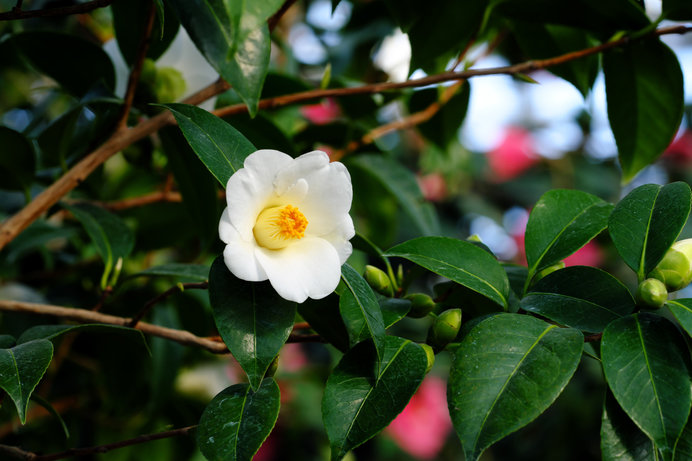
(152, 302)
(18, 13)
(273, 21)
(593, 337)
(142, 200)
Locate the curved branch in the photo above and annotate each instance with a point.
(18, 13)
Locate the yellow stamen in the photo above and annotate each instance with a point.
(276, 226)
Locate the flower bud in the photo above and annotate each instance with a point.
(444, 329)
(273, 366)
(675, 269)
(378, 280)
(430, 355)
(549, 270)
(421, 305)
(652, 293)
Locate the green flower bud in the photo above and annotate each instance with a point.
(271, 371)
(400, 275)
(169, 84)
(378, 280)
(675, 269)
(652, 293)
(421, 305)
(549, 270)
(444, 329)
(430, 354)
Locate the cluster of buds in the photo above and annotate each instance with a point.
(673, 273)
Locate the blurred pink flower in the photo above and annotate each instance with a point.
(422, 428)
(513, 155)
(680, 150)
(433, 186)
(322, 113)
(588, 255)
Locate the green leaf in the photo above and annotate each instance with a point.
(195, 272)
(460, 261)
(218, 145)
(644, 88)
(621, 439)
(401, 183)
(234, 38)
(360, 311)
(443, 128)
(50, 332)
(646, 223)
(561, 222)
(50, 409)
(113, 239)
(646, 365)
(355, 406)
(21, 368)
(682, 310)
(253, 320)
(17, 161)
(237, 421)
(129, 19)
(677, 10)
(196, 185)
(7, 341)
(506, 372)
(62, 57)
(580, 297)
(683, 449)
(324, 317)
(393, 309)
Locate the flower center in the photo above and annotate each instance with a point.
(276, 226)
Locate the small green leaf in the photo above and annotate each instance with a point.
(218, 145)
(393, 309)
(62, 57)
(561, 222)
(443, 127)
(355, 406)
(21, 368)
(50, 409)
(401, 183)
(580, 297)
(621, 439)
(646, 365)
(50, 332)
(17, 161)
(237, 421)
(195, 272)
(645, 95)
(360, 311)
(508, 369)
(646, 223)
(129, 19)
(252, 319)
(460, 261)
(324, 317)
(682, 310)
(113, 239)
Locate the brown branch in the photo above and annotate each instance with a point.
(592, 338)
(273, 21)
(142, 200)
(136, 72)
(152, 302)
(18, 13)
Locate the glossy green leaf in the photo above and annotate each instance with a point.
(683, 449)
(21, 368)
(194, 272)
(678, 10)
(561, 222)
(460, 261)
(234, 38)
(356, 405)
(360, 311)
(53, 412)
(252, 319)
(621, 439)
(196, 185)
(129, 19)
(324, 317)
(682, 310)
(62, 57)
(644, 88)
(580, 297)
(113, 239)
(7, 341)
(646, 365)
(393, 309)
(443, 127)
(237, 421)
(646, 223)
(401, 183)
(17, 161)
(218, 145)
(50, 332)
(508, 369)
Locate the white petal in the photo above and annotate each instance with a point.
(240, 258)
(340, 236)
(309, 267)
(251, 187)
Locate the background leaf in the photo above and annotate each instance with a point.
(506, 372)
(237, 421)
(682, 310)
(646, 223)
(324, 317)
(561, 222)
(460, 261)
(355, 406)
(679, 10)
(644, 89)
(621, 439)
(646, 365)
(253, 320)
(17, 161)
(218, 145)
(443, 127)
(580, 297)
(50, 332)
(21, 368)
(195, 272)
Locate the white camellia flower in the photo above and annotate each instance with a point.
(287, 221)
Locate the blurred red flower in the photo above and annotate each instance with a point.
(513, 155)
(322, 113)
